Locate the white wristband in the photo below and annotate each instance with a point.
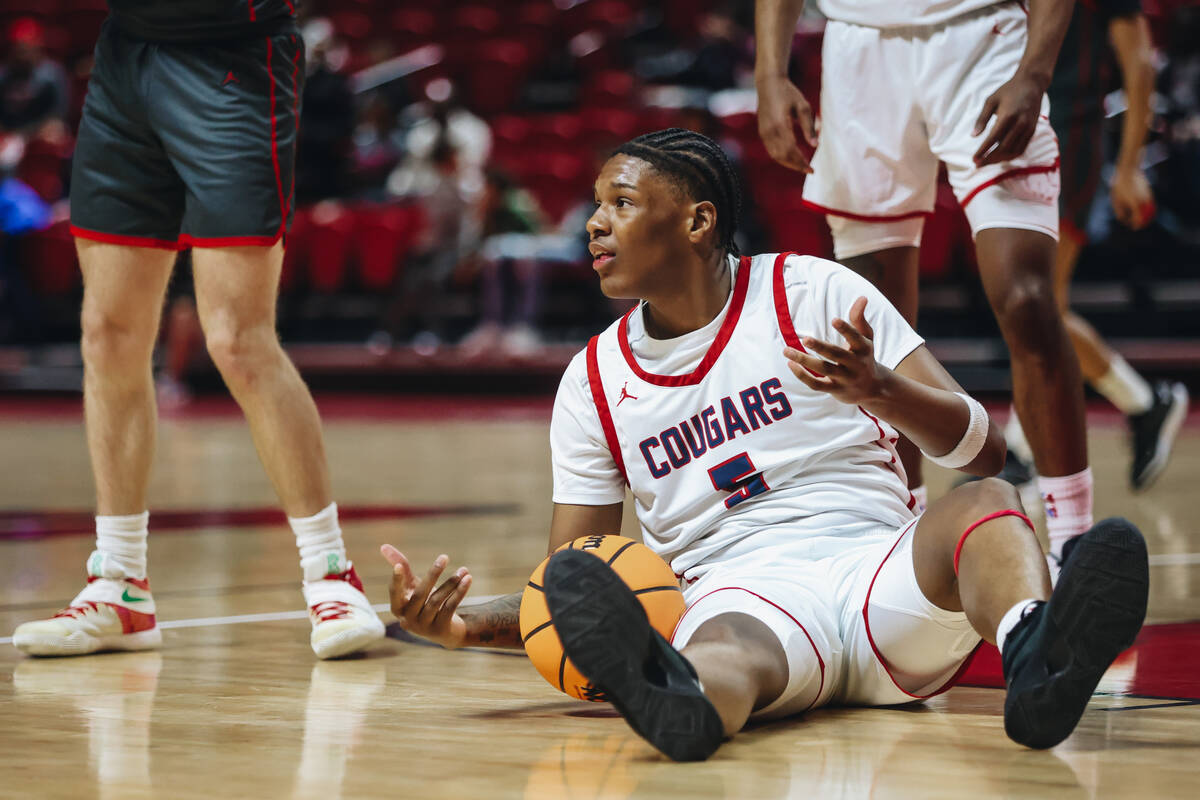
(972, 440)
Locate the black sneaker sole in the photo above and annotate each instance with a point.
(1095, 613)
(604, 631)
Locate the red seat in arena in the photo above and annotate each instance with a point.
(297, 244)
(793, 226)
(383, 236)
(50, 262)
(609, 127)
(496, 73)
(329, 248)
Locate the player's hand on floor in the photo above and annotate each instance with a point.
(1016, 106)
(850, 373)
(422, 606)
(781, 107)
(1132, 199)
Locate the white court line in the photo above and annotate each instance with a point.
(237, 619)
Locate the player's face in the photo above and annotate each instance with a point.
(639, 229)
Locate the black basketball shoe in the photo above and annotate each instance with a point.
(605, 633)
(1056, 655)
(1016, 471)
(1154, 431)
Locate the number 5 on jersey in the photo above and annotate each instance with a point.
(737, 475)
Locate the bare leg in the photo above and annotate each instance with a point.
(1095, 356)
(1001, 562)
(741, 666)
(235, 296)
(1017, 267)
(894, 273)
(122, 304)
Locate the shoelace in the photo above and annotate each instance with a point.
(88, 607)
(330, 609)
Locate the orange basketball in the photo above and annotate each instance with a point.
(651, 579)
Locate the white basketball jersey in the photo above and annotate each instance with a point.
(899, 13)
(732, 451)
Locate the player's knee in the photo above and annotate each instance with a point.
(241, 354)
(1028, 314)
(990, 494)
(114, 345)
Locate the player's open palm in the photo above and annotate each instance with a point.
(422, 606)
(781, 109)
(850, 373)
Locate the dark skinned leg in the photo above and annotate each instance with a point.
(894, 273)
(1017, 268)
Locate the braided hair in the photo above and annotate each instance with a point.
(700, 166)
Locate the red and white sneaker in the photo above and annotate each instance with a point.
(343, 621)
(109, 614)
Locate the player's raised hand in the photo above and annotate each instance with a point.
(421, 608)
(850, 373)
(1016, 106)
(781, 108)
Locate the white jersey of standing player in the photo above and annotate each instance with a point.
(900, 13)
(724, 449)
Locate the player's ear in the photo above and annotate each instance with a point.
(703, 221)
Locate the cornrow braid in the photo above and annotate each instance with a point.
(701, 166)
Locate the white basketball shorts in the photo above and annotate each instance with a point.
(855, 627)
(895, 102)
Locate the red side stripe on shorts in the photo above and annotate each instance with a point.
(275, 138)
(812, 644)
(128, 241)
(871, 639)
(296, 122)
(1008, 512)
(602, 409)
(1003, 176)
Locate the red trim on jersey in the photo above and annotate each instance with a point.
(784, 611)
(714, 350)
(875, 648)
(863, 217)
(788, 328)
(602, 410)
(1008, 512)
(275, 141)
(122, 239)
(1003, 176)
(250, 8)
(295, 122)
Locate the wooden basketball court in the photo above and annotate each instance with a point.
(235, 704)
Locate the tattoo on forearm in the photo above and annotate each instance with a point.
(494, 624)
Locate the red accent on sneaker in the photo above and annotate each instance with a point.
(133, 621)
(141, 583)
(349, 576)
(330, 609)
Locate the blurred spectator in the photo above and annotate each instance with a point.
(21, 211)
(439, 117)
(417, 312)
(514, 250)
(378, 146)
(34, 92)
(324, 151)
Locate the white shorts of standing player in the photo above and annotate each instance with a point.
(895, 102)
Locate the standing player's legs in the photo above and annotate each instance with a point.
(235, 298)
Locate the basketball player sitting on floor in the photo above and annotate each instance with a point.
(752, 407)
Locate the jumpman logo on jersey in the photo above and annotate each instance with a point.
(625, 395)
(230, 78)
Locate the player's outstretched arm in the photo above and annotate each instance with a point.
(918, 397)
(1132, 199)
(434, 611)
(781, 106)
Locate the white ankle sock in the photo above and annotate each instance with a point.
(319, 539)
(120, 546)
(1014, 437)
(1068, 504)
(1124, 388)
(1010, 620)
(922, 495)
